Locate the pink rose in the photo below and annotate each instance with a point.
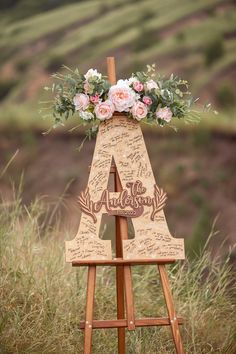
(139, 110)
(147, 100)
(122, 96)
(138, 86)
(86, 86)
(94, 99)
(151, 84)
(104, 110)
(164, 113)
(81, 101)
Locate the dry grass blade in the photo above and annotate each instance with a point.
(9, 163)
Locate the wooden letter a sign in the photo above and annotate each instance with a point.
(140, 199)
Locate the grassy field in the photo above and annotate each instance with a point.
(42, 299)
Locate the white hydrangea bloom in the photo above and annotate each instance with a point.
(86, 115)
(92, 72)
(131, 80)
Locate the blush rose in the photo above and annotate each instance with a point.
(104, 110)
(139, 110)
(138, 86)
(81, 101)
(151, 84)
(164, 113)
(122, 96)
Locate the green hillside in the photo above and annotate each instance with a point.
(195, 39)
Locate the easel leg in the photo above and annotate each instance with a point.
(120, 290)
(89, 310)
(171, 310)
(119, 277)
(129, 297)
(124, 279)
(120, 307)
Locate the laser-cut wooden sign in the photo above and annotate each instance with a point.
(142, 200)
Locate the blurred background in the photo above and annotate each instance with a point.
(195, 39)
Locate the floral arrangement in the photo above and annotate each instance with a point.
(145, 97)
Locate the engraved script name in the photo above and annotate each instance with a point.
(129, 203)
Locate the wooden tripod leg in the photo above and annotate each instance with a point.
(120, 292)
(119, 280)
(89, 309)
(122, 234)
(171, 309)
(129, 297)
(111, 71)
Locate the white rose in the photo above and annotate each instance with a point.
(122, 82)
(81, 101)
(92, 72)
(151, 84)
(131, 80)
(122, 96)
(139, 110)
(164, 113)
(86, 115)
(104, 110)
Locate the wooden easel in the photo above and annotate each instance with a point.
(124, 291)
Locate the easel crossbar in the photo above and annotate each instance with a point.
(144, 322)
(120, 261)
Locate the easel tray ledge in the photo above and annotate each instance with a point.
(121, 261)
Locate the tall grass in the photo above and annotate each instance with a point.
(42, 299)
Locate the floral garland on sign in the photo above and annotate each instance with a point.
(145, 96)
